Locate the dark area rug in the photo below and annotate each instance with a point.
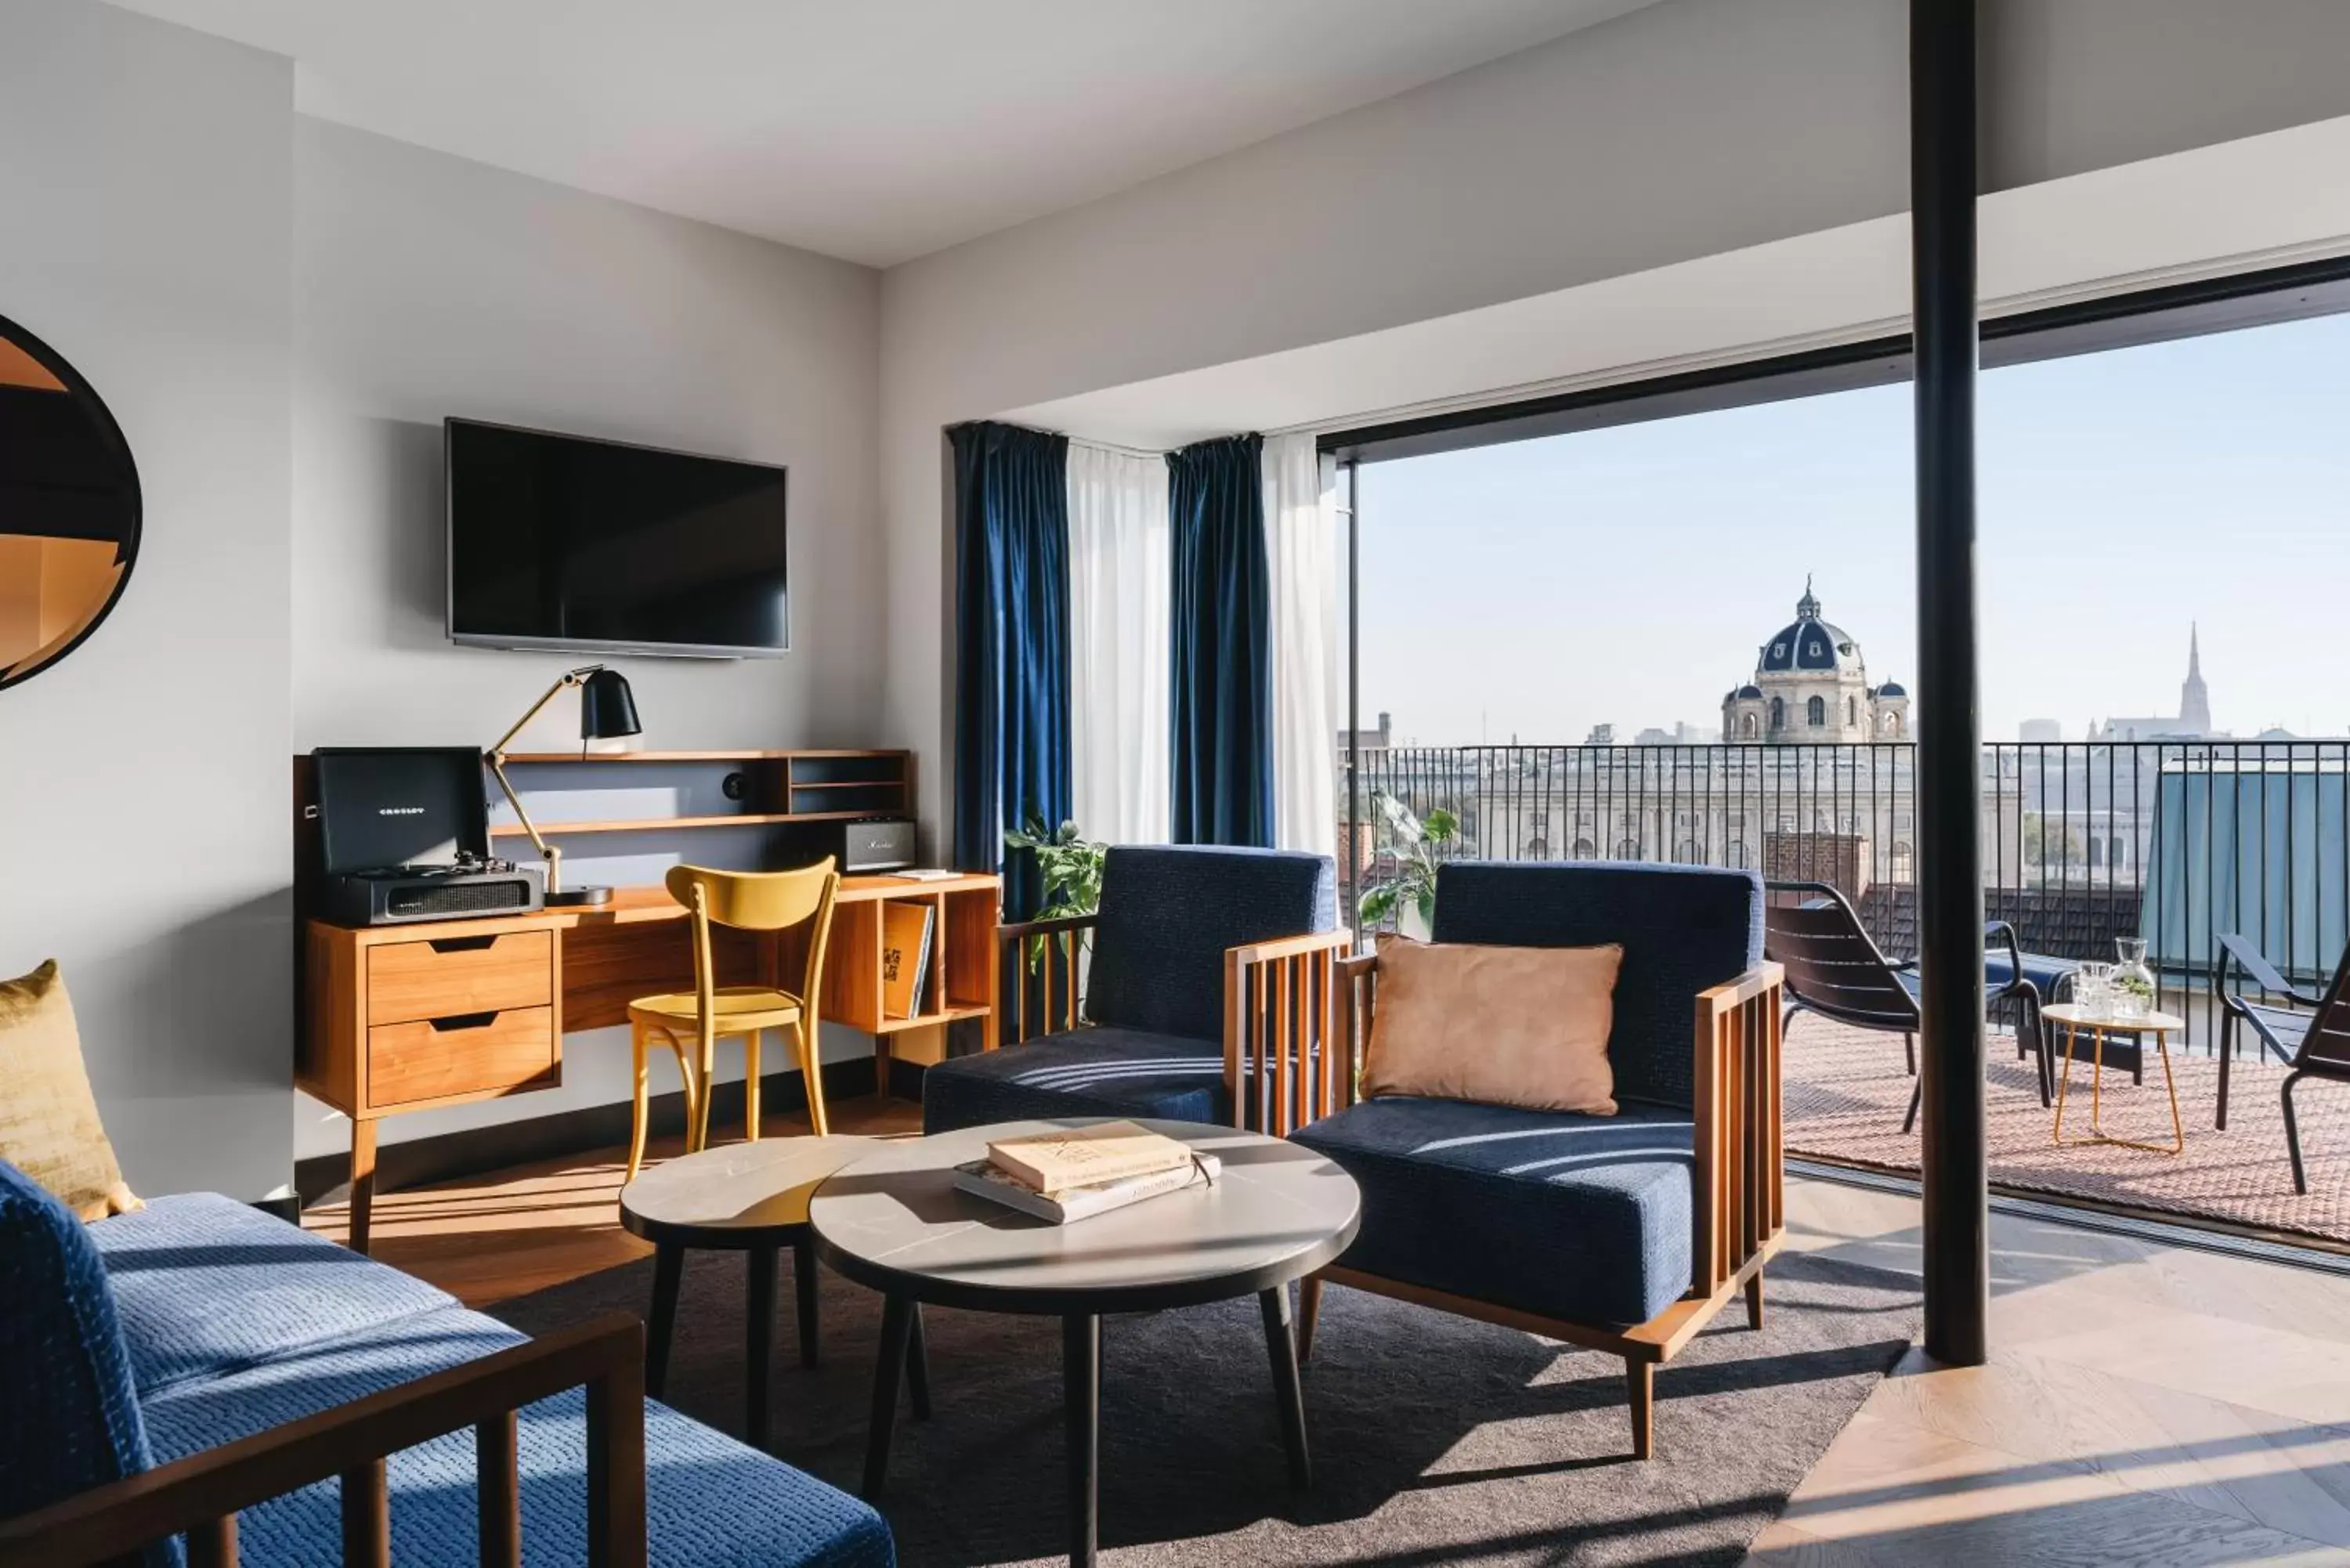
(1435, 1440)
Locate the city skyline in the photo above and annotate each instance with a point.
(2128, 498)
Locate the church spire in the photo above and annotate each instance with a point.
(2194, 697)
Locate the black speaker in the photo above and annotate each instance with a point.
(864, 844)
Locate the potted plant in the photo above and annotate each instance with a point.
(1407, 896)
(1071, 867)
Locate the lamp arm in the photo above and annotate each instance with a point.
(549, 852)
(570, 678)
(497, 758)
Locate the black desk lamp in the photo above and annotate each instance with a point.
(607, 710)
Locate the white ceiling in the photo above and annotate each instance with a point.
(873, 129)
(2210, 211)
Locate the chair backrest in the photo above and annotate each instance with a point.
(73, 1419)
(2326, 1047)
(1834, 968)
(1167, 913)
(1683, 929)
(759, 901)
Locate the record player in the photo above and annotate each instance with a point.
(404, 836)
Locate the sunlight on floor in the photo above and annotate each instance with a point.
(2146, 1404)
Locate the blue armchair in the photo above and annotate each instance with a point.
(197, 1368)
(1208, 975)
(1624, 1233)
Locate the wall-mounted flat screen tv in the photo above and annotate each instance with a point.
(557, 542)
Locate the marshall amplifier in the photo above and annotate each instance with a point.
(865, 845)
(403, 833)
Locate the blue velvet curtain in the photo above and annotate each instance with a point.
(1012, 647)
(1223, 654)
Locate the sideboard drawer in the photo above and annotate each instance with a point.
(467, 1055)
(409, 981)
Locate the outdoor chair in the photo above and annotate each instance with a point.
(2052, 981)
(2312, 1045)
(1623, 1233)
(1836, 969)
(1193, 946)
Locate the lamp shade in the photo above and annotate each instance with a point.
(608, 709)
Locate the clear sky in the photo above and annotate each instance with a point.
(1628, 574)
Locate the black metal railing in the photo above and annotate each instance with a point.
(2178, 842)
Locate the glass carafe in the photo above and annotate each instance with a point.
(2133, 982)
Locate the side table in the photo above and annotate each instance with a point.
(749, 1197)
(2072, 1019)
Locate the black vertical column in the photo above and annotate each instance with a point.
(1949, 749)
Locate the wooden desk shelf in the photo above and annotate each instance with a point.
(778, 787)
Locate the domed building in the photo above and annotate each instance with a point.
(1811, 688)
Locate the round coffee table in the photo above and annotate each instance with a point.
(895, 1221)
(747, 1198)
(2074, 1020)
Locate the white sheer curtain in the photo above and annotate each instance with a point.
(1119, 555)
(1301, 549)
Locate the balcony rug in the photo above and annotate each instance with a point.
(1435, 1439)
(1846, 1089)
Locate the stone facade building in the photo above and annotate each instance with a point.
(1811, 688)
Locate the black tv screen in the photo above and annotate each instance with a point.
(557, 542)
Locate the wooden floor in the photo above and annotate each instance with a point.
(520, 1230)
(2146, 1404)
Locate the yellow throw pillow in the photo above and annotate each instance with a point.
(48, 1119)
(1503, 1026)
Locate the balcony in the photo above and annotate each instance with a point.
(2178, 842)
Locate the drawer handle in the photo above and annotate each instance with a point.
(462, 944)
(456, 1021)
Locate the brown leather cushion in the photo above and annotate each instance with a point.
(1504, 1026)
(48, 1119)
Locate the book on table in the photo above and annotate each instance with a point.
(1067, 1157)
(982, 1178)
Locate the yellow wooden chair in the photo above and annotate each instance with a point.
(747, 900)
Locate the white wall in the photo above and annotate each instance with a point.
(425, 285)
(145, 206)
(1686, 130)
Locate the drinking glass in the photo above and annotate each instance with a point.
(2093, 987)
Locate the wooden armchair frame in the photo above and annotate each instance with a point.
(1738, 1182)
(200, 1495)
(1278, 1014)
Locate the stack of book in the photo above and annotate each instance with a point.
(1075, 1172)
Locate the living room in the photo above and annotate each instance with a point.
(279, 249)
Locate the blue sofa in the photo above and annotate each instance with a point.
(1617, 1232)
(144, 1339)
(1154, 1042)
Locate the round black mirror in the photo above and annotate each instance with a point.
(69, 507)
